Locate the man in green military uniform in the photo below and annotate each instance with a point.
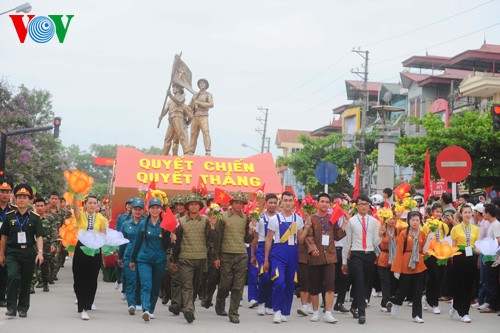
(165, 289)
(56, 216)
(234, 231)
(5, 207)
(190, 253)
(18, 251)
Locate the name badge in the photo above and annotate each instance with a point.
(21, 237)
(291, 240)
(325, 240)
(468, 251)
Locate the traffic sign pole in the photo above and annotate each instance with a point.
(454, 191)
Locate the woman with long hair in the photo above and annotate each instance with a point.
(150, 255)
(463, 235)
(85, 267)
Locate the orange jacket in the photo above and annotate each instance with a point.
(402, 258)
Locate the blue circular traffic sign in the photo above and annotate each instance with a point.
(326, 172)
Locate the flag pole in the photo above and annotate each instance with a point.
(163, 113)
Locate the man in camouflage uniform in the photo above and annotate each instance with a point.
(5, 207)
(212, 277)
(233, 231)
(175, 277)
(42, 274)
(56, 216)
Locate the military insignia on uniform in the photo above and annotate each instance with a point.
(161, 235)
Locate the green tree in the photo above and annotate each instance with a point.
(469, 130)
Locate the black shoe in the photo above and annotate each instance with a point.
(164, 300)
(355, 313)
(56, 279)
(3, 303)
(189, 316)
(234, 320)
(10, 313)
(206, 304)
(51, 282)
(222, 313)
(46, 287)
(362, 320)
(175, 309)
(340, 308)
(23, 314)
(32, 289)
(39, 285)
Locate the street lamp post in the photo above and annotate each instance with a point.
(25, 8)
(247, 146)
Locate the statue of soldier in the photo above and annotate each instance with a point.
(201, 102)
(178, 117)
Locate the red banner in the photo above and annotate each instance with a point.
(107, 161)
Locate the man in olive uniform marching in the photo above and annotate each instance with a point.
(234, 231)
(19, 251)
(190, 253)
(5, 207)
(175, 276)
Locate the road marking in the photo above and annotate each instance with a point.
(453, 164)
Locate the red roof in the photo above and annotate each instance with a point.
(446, 77)
(354, 88)
(285, 135)
(485, 59)
(427, 61)
(337, 123)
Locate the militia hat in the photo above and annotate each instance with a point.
(129, 201)
(193, 197)
(23, 189)
(239, 196)
(155, 202)
(137, 202)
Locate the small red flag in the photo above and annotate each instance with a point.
(149, 196)
(201, 187)
(401, 190)
(221, 196)
(337, 213)
(261, 188)
(427, 177)
(168, 220)
(356, 182)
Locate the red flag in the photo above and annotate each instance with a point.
(356, 181)
(261, 188)
(337, 213)
(401, 190)
(427, 177)
(221, 196)
(249, 207)
(168, 220)
(149, 196)
(201, 187)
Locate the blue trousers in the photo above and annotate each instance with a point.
(132, 284)
(252, 278)
(150, 275)
(264, 286)
(284, 263)
(119, 273)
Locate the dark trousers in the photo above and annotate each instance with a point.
(434, 276)
(20, 266)
(361, 270)
(388, 284)
(492, 295)
(3, 282)
(233, 267)
(341, 280)
(85, 273)
(191, 271)
(463, 270)
(410, 284)
(213, 277)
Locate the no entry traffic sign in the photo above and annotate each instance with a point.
(454, 164)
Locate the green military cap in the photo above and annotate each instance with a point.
(193, 197)
(23, 189)
(239, 196)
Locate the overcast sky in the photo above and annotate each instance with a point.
(108, 79)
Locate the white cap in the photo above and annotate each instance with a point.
(479, 208)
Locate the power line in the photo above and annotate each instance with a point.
(427, 25)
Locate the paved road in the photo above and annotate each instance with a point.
(55, 311)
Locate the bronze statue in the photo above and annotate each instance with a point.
(200, 104)
(178, 119)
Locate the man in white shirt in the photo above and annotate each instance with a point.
(281, 254)
(362, 236)
(341, 280)
(492, 301)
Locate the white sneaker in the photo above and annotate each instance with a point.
(131, 310)
(451, 311)
(328, 318)
(117, 285)
(277, 317)
(425, 305)
(261, 310)
(475, 305)
(466, 319)
(146, 316)
(379, 294)
(483, 306)
(315, 316)
(302, 310)
(367, 302)
(410, 303)
(84, 315)
(93, 307)
(383, 309)
(394, 310)
(138, 307)
(76, 301)
(310, 308)
(151, 316)
(284, 319)
(418, 320)
(269, 311)
(252, 304)
(123, 296)
(374, 293)
(436, 310)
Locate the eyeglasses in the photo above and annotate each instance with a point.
(362, 204)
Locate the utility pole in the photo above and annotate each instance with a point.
(262, 131)
(362, 156)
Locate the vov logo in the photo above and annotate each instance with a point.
(41, 29)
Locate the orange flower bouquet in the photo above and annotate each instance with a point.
(442, 251)
(79, 182)
(69, 235)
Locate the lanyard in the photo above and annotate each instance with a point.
(467, 233)
(364, 228)
(21, 225)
